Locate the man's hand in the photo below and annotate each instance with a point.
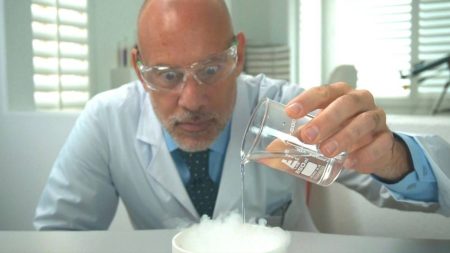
(350, 121)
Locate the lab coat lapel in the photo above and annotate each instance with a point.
(163, 170)
(160, 167)
(230, 186)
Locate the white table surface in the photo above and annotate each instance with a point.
(160, 241)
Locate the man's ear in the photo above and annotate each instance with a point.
(240, 37)
(134, 59)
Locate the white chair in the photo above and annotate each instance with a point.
(344, 73)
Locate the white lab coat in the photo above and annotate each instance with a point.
(117, 149)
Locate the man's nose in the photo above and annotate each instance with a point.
(193, 95)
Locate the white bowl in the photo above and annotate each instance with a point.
(179, 238)
(176, 243)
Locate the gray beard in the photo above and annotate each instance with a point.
(203, 139)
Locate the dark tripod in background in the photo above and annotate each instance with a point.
(424, 66)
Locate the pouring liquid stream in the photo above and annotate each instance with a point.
(244, 161)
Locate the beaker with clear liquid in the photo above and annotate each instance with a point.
(270, 140)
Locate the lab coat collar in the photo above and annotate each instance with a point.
(163, 170)
(161, 167)
(149, 128)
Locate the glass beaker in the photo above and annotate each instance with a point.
(270, 140)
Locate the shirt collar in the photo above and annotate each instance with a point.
(219, 145)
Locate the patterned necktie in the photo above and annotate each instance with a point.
(201, 188)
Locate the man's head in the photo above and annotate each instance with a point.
(175, 34)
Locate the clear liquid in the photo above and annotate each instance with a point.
(243, 189)
(299, 162)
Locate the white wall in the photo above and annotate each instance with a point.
(111, 23)
(18, 54)
(30, 141)
(3, 100)
(29, 145)
(267, 24)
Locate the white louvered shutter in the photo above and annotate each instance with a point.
(375, 37)
(272, 60)
(433, 42)
(60, 54)
(383, 37)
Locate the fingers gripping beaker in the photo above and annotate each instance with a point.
(270, 140)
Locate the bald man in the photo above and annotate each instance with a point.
(168, 144)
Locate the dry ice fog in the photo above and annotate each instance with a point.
(228, 234)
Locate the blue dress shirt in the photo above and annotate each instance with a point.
(419, 184)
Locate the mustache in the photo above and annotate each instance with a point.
(190, 116)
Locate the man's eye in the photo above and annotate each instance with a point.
(170, 76)
(210, 71)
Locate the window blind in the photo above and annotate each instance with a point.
(272, 60)
(60, 54)
(375, 37)
(385, 36)
(433, 42)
